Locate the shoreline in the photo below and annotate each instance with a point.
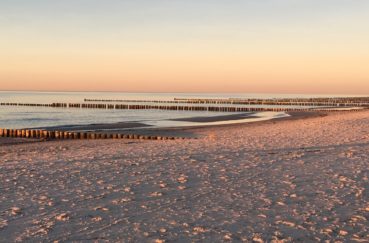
(138, 128)
(195, 131)
(191, 132)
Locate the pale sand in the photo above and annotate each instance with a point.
(298, 180)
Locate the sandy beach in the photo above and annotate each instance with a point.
(290, 180)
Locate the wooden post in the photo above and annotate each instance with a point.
(51, 134)
(33, 133)
(83, 135)
(45, 134)
(69, 135)
(66, 135)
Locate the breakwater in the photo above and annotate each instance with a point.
(327, 102)
(177, 107)
(62, 135)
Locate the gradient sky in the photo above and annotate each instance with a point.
(280, 46)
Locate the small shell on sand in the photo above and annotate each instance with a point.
(3, 223)
(287, 223)
(227, 237)
(199, 229)
(257, 238)
(182, 179)
(96, 219)
(62, 217)
(162, 185)
(127, 189)
(101, 209)
(15, 211)
(156, 194)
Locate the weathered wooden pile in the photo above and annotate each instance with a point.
(44, 134)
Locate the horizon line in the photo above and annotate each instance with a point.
(181, 92)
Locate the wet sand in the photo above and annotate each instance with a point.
(137, 125)
(293, 179)
(239, 116)
(147, 130)
(180, 131)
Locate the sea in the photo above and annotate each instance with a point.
(18, 117)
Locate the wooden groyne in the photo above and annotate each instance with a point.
(62, 135)
(336, 102)
(57, 105)
(176, 107)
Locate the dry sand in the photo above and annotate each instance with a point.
(293, 180)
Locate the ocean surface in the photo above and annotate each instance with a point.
(32, 117)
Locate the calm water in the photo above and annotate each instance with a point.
(29, 117)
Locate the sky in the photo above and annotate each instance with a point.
(250, 46)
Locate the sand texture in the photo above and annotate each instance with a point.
(279, 181)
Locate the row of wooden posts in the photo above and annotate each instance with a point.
(337, 102)
(43, 134)
(343, 100)
(58, 105)
(174, 107)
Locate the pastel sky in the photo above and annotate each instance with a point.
(279, 46)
